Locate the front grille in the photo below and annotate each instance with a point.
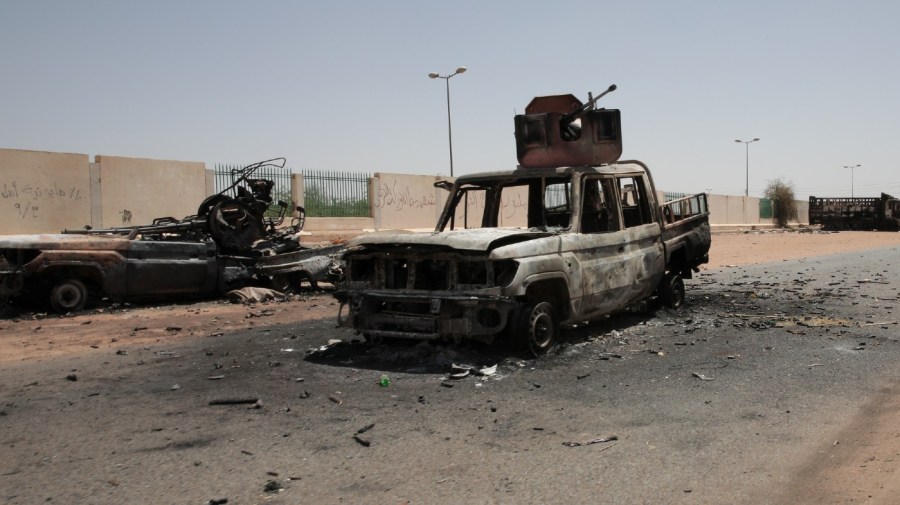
(445, 272)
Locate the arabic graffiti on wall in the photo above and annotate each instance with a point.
(26, 199)
(399, 197)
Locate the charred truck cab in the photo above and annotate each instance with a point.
(570, 235)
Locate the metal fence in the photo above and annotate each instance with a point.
(225, 175)
(336, 194)
(674, 195)
(765, 209)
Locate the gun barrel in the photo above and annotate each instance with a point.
(572, 116)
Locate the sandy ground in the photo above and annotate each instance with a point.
(746, 248)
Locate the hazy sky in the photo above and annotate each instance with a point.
(343, 85)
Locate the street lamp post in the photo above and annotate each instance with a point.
(446, 78)
(852, 167)
(747, 144)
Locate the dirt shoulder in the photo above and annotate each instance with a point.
(748, 248)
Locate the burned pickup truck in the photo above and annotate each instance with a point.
(229, 243)
(591, 239)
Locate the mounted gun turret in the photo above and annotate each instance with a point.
(560, 130)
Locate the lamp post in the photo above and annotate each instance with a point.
(446, 78)
(852, 167)
(747, 143)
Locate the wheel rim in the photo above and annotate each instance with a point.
(69, 296)
(677, 293)
(542, 330)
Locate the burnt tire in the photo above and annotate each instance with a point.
(288, 283)
(68, 295)
(672, 291)
(537, 328)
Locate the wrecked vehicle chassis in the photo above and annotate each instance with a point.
(488, 281)
(230, 243)
(68, 269)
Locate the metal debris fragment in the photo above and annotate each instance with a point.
(233, 401)
(591, 441)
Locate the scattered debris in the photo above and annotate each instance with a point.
(365, 428)
(72, 377)
(601, 440)
(884, 323)
(361, 441)
(233, 401)
(215, 377)
(273, 486)
(336, 400)
(253, 295)
(218, 501)
(459, 375)
(702, 377)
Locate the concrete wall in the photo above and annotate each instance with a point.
(402, 201)
(732, 210)
(135, 191)
(729, 210)
(43, 192)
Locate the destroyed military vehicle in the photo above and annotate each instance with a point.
(229, 243)
(588, 237)
(859, 213)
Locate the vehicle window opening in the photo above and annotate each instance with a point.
(556, 208)
(595, 214)
(635, 207)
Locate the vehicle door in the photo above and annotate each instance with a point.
(161, 268)
(618, 242)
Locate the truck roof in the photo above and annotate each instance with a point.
(621, 167)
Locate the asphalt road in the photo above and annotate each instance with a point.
(738, 398)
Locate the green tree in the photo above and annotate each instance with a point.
(784, 205)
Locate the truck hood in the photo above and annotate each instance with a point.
(48, 241)
(480, 239)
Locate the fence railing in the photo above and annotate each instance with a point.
(336, 194)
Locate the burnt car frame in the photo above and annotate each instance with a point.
(595, 241)
(229, 243)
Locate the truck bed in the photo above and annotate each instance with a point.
(685, 232)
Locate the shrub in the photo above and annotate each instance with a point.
(784, 206)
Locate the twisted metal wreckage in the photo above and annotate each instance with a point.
(228, 244)
(595, 240)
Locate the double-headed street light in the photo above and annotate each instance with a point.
(852, 167)
(446, 78)
(747, 143)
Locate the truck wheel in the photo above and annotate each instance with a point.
(673, 291)
(287, 284)
(68, 295)
(538, 328)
